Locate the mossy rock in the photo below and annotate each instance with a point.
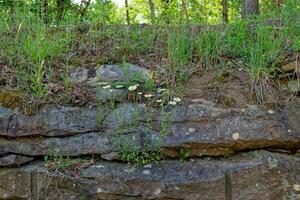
(227, 101)
(11, 99)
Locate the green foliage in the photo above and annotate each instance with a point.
(56, 162)
(184, 155)
(259, 46)
(38, 88)
(30, 47)
(140, 158)
(179, 47)
(165, 122)
(149, 85)
(34, 47)
(131, 153)
(208, 46)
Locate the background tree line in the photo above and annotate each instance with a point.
(144, 11)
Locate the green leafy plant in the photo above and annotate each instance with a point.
(208, 46)
(165, 121)
(38, 88)
(55, 162)
(184, 155)
(131, 153)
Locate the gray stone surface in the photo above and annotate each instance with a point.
(200, 129)
(51, 121)
(125, 115)
(108, 95)
(83, 144)
(252, 176)
(125, 72)
(96, 79)
(14, 160)
(108, 73)
(223, 136)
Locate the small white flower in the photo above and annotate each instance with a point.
(103, 83)
(148, 95)
(158, 100)
(147, 172)
(296, 187)
(132, 88)
(106, 87)
(159, 90)
(173, 103)
(140, 93)
(99, 190)
(235, 136)
(176, 99)
(110, 90)
(119, 86)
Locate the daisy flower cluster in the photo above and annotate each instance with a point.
(155, 96)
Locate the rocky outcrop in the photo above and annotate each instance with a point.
(95, 79)
(201, 128)
(255, 175)
(225, 153)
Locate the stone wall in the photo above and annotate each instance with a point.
(205, 151)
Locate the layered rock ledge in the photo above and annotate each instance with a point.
(245, 152)
(255, 175)
(201, 128)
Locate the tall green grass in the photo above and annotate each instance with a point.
(30, 47)
(33, 49)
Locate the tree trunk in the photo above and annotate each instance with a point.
(59, 10)
(279, 3)
(45, 11)
(127, 12)
(184, 8)
(250, 8)
(152, 10)
(11, 6)
(225, 11)
(85, 5)
(165, 15)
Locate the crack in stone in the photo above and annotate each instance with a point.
(228, 185)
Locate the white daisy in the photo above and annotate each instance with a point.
(173, 103)
(132, 88)
(160, 90)
(106, 87)
(119, 86)
(176, 99)
(148, 95)
(103, 83)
